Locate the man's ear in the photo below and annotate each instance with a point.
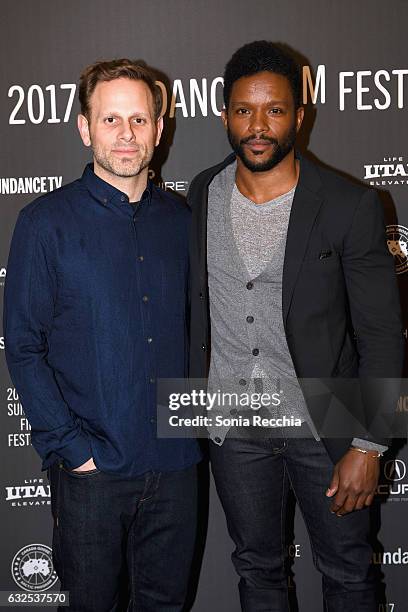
(159, 127)
(83, 127)
(300, 113)
(224, 118)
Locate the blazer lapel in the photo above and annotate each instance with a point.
(306, 205)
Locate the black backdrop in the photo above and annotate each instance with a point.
(356, 93)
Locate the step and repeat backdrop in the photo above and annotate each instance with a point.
(355, 77)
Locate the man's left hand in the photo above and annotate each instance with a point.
(354, 482)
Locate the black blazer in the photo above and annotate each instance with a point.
(340, 299)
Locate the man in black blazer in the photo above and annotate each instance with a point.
(291, 279)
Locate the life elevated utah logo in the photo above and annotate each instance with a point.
(394, 482)
(397, 241)
(2, 276)
(32, 568)
(32, 493)
(390, 171)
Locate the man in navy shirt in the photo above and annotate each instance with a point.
(94, 314)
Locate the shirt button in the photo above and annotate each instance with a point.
(203, 347)
(105, 200)
(250, 319)
(141, 258)
(152, 380)
(152, 420)
(122, 198)
(255, 352)
(151, 340)
(242, 381)
(145, 298)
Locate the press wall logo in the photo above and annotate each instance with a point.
(32, 493)
(397, 241)
(3, 273)
(396, 487)
(395, 470)
(29, 184)
(294, 551)
(391, 171)
(32, 568)
(397, 557)
(169, 185)
(402, 405)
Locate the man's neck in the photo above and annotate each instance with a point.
(261, 187)
(133, 186)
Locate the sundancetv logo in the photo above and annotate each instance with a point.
(397, 242)
(397, 557)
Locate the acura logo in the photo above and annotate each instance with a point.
(395, 469)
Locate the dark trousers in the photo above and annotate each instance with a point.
(253, 477)
(123, 544)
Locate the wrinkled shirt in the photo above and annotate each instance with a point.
(95, 313)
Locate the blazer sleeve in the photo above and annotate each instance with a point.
(375, 312)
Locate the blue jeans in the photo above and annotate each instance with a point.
(253, 477)
(123, 544)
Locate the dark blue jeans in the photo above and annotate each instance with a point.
(253, 477)
(122, 544)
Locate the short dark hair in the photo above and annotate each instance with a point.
(110, 70)
(262, 56)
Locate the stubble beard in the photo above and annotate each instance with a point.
(280, 150)
(124, 167)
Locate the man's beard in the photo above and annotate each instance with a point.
(279, 151)
(124, 166)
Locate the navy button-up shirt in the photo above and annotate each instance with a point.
(95, 312)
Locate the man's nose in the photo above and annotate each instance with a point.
(259, 122)
(126, 132)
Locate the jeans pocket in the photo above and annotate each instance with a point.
(84, 474)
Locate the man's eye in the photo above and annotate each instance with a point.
(242, 111)
(110, 120)
(139, 120)
(276, 111)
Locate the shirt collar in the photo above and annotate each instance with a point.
(106, 193)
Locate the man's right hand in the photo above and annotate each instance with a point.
(86, 467)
